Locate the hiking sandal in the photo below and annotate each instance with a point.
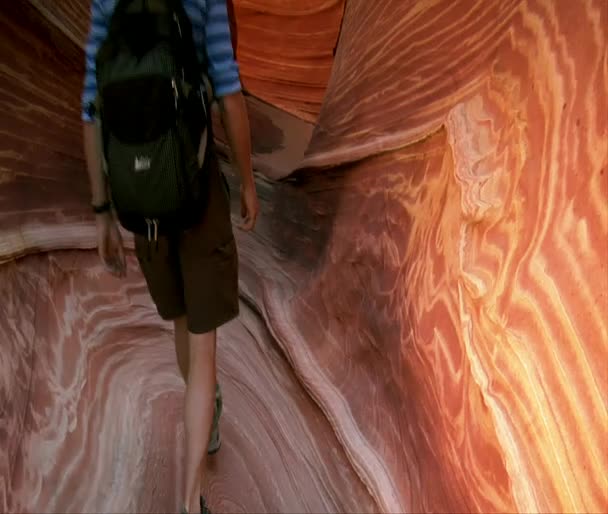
(204, 508)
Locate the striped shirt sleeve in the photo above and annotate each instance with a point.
(223, 68)
(97, 33)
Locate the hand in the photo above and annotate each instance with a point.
(109, 245)
(249, 207)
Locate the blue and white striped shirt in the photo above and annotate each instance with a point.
(210, 27)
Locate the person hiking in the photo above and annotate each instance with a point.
(153, 168)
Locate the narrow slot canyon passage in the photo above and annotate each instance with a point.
(423, 317)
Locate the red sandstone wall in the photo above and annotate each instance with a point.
(439, 289)
(285, 50)
(480, 254)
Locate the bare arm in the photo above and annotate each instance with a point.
(224, 74)
(109, 241)
(236, 125)
(97, 179)
(98, 27)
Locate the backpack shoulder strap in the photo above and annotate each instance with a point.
(188, 47)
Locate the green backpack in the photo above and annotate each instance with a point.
(154, 113)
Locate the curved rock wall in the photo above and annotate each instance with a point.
(285, 50)
(425, 299)
(479, 262)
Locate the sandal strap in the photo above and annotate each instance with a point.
(204, 508)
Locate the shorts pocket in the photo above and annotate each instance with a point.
(225, 251)
(211, 288)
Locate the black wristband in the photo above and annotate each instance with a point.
(104, 207)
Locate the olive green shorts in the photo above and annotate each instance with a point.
(195, 272)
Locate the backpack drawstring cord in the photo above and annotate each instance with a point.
(156, 233)
(149, 224)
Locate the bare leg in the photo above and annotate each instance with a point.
(199, 404)
(182, 353)
(181, 346)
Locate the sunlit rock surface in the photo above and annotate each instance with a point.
(424, 320)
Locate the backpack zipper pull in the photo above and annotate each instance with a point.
(148, 222)
(156, 234)
(179, 28)
(175, 91)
